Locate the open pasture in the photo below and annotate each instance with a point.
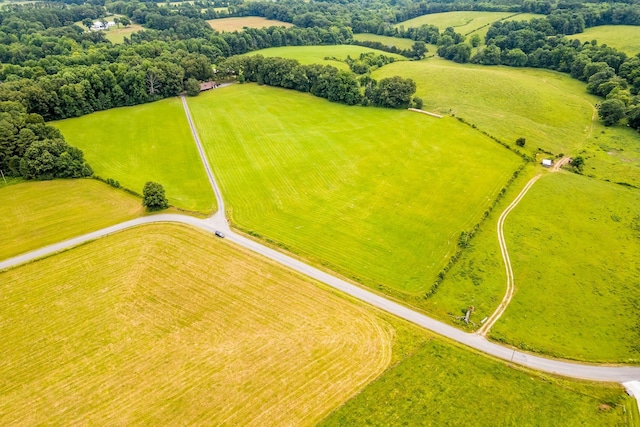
(238, 24)
(117, 34)
(551, 110)
(622, 37)
(378, 195)
(398, 42)
(150, 142)
(462, 22)
(163, 324)
(574, 244)
(444, 385)
(316, 54)
(36, 214)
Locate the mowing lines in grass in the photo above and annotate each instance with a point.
(36, 214)
(149, 142)
(163, 324)
(376, 194)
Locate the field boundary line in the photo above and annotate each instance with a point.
(505, 258)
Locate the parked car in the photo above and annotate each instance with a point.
(220, 234)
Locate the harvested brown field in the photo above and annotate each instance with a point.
(163, 324)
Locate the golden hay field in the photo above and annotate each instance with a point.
(36, 214)
(163, 324)
(237, 24)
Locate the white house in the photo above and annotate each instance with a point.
(547, 163)
(98, 25)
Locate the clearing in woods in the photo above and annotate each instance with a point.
(238, 24)
(149, 142)
(37, 214)
(622, 37)
(398, 42)
(207, 332)
(317, 54)
(378, 195)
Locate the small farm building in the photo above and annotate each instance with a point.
(208, 85)
(547, 163)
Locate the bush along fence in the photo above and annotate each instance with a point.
(465, 238)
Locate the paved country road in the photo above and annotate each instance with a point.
(618, 374)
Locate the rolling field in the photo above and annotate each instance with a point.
(378, 195)
(442, 385)
(316, 54)
(166, 325)
(576, 242)
(462, 22)
(36, 214)
(150, 142)
(237, 24)
(622, 37)
(398, 42)
(498, 101)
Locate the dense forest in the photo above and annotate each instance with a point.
(55, 68)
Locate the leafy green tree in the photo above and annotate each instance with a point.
(192, 87)
(611, 111)
(633, 116)
(153, 197)
(417, 103)
(125, 21)
(418, 49)
(475, 40)
(520, 142)
(87, 22)
(577, 163)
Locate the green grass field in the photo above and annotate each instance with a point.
(36, 214)
(316, 54)
(462, 22)
(398, 42)
(150, 142)
(443, 385)
(378, 195)
(499, 101)
(576, 242)
(163, 324)
(117, 35)
(238, 24)
(622, 37)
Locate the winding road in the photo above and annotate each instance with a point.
(620, 374)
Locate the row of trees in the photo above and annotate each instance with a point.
(322, 81)
(31, 149)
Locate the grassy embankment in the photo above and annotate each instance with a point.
(36, 214)
(317, 54)
(145, 327)
(150, 142)
(378, 195)
(622, 37)
(499, 101)
(238, 24)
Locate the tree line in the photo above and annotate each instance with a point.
(324, 81)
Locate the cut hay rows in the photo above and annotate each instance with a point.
(36, 214)
(238, 24)
(164, 325)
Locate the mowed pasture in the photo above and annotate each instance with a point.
(238, 24)
(500, 101)
(625, 38)
(378, 195)
(316, 54)
(462, 22)
(574, 244)
(150, 142)
(442, 384)
(117, 34)
(37, 214)
(163, 324)
(398, 42)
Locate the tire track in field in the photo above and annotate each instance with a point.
(505, 258)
